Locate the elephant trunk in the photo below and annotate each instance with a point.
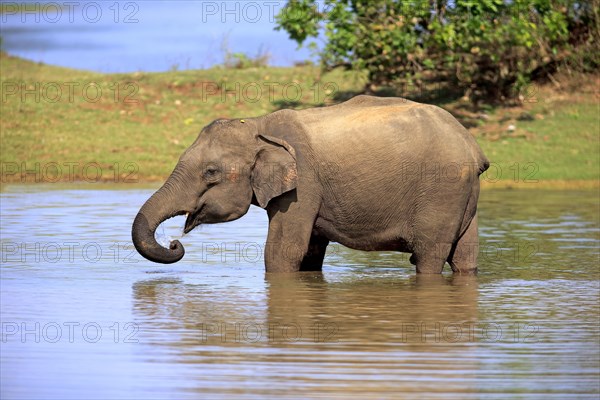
(157, 209)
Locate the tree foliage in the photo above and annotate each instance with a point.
(487, 48)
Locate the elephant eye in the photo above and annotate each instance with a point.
(211, 173)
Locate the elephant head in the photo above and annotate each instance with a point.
(231, 165)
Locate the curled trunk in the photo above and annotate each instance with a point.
(157, 209)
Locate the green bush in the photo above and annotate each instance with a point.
(489, 49)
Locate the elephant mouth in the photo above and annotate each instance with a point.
(192, 220)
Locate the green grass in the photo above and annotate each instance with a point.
(141, 139)
(562, 146)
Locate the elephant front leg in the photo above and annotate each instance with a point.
(313, 260)
(285, 249)
(290, 245)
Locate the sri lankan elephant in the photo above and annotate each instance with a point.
(370, 173)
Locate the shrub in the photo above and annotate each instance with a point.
(488, 49)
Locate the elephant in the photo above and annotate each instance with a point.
(371, 173)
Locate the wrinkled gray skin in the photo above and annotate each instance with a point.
(370, 173)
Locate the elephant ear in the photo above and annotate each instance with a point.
(274, 170)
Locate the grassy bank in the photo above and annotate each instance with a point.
(59, 124)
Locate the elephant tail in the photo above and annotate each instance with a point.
(471, 208)
(482, 162)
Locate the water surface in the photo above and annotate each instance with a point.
(151, 35)
(84, 316)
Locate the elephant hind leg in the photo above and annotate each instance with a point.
(430, 259)
(463, 257)
(313, 260)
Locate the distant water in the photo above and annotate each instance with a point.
(126, 36)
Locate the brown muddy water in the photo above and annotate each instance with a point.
(84, 316)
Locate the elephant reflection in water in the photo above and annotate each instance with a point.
(340, 335)
(421, 310)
